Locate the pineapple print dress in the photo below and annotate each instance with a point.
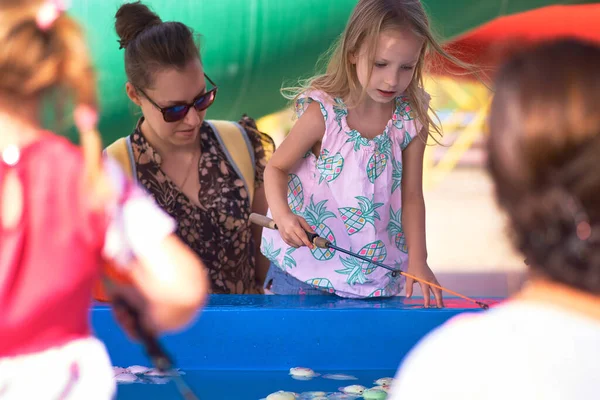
(351, 195)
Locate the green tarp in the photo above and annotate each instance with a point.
(251, 47)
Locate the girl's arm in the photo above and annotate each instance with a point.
(308, 131)
(173, 280)
(169, 281)
(413, 219)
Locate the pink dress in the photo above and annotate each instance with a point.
(351, 195)
(49, 263)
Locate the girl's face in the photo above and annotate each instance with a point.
(394, 64)
(173, 87)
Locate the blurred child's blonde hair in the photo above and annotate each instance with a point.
(368, 20)
(35, 59)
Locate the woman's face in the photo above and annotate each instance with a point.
(172, 87)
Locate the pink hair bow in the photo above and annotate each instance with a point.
(49, 12)
(86, 118)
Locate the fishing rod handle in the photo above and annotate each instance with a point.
(153, 348)
(267, 222)
(263, 221)
(318, 240)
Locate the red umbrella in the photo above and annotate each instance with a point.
(489, 44)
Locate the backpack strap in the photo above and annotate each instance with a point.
(122, 152)
(238, 149)
(232, 137)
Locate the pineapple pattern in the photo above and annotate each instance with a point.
(396, 175)
(406, 141)
(404, 109)
(302, 103)
(288, 260)
(322, 284)
(358, 269)
(395, 231)
(267, 248)
(346, 195)
(355, 219)
(353, 270)
(316, 215)
(295, 194)
(357, 140)
(379, 160)
(393, 286)
(378, 293)
(404, 113)
(339, 108)
(329, 167)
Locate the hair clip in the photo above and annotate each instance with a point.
(48, 13)
(578, 244)
(85, 118)
(583, 228)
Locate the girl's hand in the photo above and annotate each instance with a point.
(422, 271)
(292, 229)
(126, 299)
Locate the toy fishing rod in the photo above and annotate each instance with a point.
(323, 243)
(154, 350)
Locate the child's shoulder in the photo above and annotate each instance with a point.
(325, 101)
(320, 96)
(406, 122)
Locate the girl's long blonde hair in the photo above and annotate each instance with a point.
(368, 20)
(35, 60)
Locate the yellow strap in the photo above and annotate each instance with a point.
(120, 153)
(228, 133)
(234, 141)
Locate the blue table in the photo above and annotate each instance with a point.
(274, 333)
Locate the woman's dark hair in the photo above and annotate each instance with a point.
(152, 45)
(544, 151)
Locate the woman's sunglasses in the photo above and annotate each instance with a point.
(178, 112)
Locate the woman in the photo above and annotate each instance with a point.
(543, 149)
(182, 160)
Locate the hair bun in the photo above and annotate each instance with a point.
(132, 19)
